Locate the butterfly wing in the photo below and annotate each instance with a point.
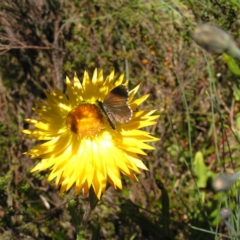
(116, 103)
(108, 114)
(121, 114)
(115, 106)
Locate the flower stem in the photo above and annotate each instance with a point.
(93, 200)
(86, 216)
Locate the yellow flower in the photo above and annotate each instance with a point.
(89, 143)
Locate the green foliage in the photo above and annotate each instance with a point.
(232, 64)
(196, 93)
(201, 171)
(236, 3)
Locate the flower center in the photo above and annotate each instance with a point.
(86, 120)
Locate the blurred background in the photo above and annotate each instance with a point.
(196, 93)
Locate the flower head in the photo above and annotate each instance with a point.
(223, 182)
(91, 136)
(214, 39)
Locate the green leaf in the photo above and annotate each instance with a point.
(238, 124)
(236, 92)
(234, 2)
(201, 170)
(232, 65)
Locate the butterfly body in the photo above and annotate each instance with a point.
(115, 106)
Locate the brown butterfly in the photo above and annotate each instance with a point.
(115, 106)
